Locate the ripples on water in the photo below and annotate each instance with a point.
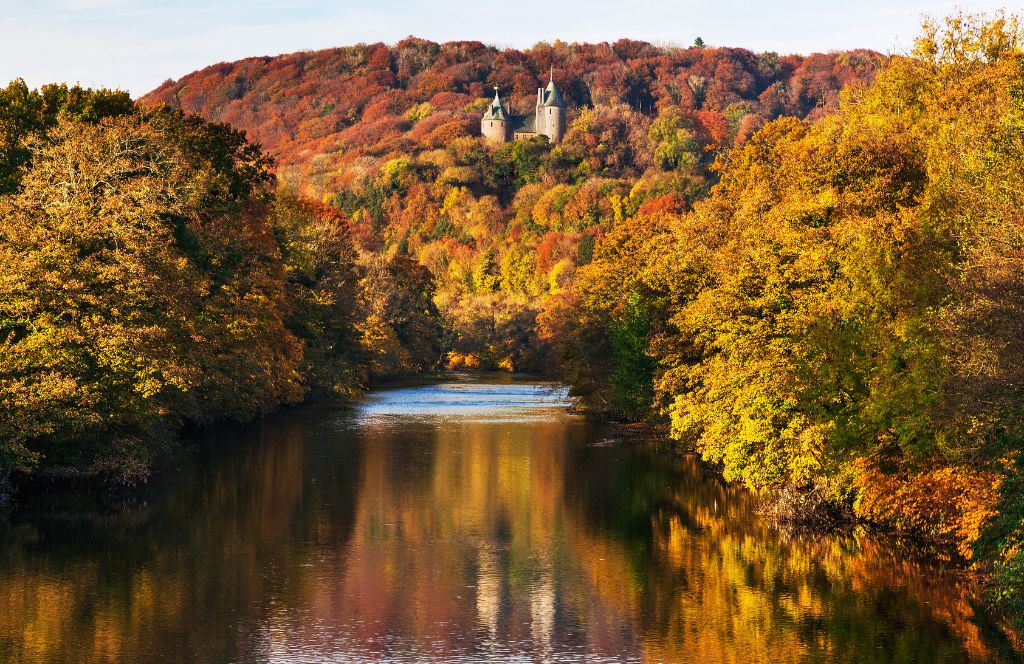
(475, 520)
(464, 403)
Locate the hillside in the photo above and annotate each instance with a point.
(390, 135)
(322, 113)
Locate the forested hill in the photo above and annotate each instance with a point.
(328, 114)
(389, 135)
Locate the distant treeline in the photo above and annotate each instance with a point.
(328, 115)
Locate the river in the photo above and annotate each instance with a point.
(471, 520)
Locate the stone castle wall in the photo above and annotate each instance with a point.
(549, 120)
(495, 131)
(553, 123)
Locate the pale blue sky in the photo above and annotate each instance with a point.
(137, 44)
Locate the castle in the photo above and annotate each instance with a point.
(499, 126)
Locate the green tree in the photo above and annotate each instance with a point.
(673, 142)
(26, 113)
(322, 277)
(632, 375)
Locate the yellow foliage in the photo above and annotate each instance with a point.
(462, 362)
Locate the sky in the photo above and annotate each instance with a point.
(138, 44)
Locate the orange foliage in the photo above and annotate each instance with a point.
(668, 204)
(311, 108)
(715, 128)
(950, 501)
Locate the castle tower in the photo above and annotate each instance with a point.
(551, 111)
(495, 124)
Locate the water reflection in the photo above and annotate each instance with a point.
(463, 522)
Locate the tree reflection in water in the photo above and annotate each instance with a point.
(468, 521)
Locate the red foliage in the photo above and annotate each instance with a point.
(668, 204)
(447, 132)
(713, 128)
(312, 108)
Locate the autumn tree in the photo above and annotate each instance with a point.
(143, 291)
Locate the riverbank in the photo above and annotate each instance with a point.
(172, 284)
(798, 509)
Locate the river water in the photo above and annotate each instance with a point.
(471, 520)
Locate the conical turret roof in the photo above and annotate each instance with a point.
(552, 97)
(496, 111)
